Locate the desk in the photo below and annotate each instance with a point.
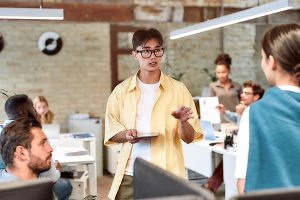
(229, 160)
(88, 160)
(84, 160)
(198, 157)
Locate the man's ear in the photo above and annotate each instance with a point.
(256, 97)
(21, 153)
(133, 53)
(23, 113)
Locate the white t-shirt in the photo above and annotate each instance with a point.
(243, 138)
(142, 149)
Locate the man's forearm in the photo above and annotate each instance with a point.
(119, 137)
(186, 131)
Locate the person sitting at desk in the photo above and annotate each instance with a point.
(251, 93)
(21, 105)
(224, 88)
(24, 149)
(41, 107)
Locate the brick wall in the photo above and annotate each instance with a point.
(77, 79)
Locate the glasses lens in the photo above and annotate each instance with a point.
(159, 52)
(146, 53)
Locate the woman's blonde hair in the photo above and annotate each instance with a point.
(49, 116)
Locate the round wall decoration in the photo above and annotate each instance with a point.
(50, 43)
(1, 42)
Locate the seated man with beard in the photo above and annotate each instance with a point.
(24, 149)
(20, 105)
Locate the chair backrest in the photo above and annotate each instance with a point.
(271, 194)
(34, 190)
(150, 181)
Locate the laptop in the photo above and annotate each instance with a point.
(51, 130)
(208, 130)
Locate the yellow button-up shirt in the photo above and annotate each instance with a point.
(166, 150)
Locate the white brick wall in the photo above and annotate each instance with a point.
(77, 79)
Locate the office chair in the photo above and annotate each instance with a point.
(152, 182)
(34, 190)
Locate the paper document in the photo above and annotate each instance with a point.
(208, 109)
(72, 151)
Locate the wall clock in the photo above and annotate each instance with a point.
(50, 43)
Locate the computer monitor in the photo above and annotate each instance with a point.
(51, 130)
(34, 190)
(150, 181)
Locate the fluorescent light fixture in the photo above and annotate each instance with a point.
(31, 13)
(244, 15)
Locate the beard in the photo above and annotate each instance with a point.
(38, 165)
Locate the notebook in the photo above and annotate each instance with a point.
(51, 130)
(208, 130)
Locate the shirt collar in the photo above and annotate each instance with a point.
(291, 88)
(220, 85)
(133, 81)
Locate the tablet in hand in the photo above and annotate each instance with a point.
(142, 135)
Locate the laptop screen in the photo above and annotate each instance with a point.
(208, 129)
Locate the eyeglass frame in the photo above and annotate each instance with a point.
(248, 93)
(152, 52)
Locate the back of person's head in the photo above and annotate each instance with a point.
(15, 134)
(257, 89)
(223, 59)
(142, 36)
(283, 43)
(19, 105)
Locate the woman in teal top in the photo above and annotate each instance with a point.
(269, 134)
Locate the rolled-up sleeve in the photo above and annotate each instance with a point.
(112, 119)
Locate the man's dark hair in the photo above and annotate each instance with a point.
(142, 36)
(18, 105)
(257, 89)
(15, 134)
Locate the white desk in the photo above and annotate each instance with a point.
(88, 160)
(229, 160)
(83, 160)
(198, 157)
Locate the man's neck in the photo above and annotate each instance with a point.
(23, 173)
(149, 77)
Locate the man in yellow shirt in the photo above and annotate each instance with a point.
(149, 103)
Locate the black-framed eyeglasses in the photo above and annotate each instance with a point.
(147, 52)
(247, 93)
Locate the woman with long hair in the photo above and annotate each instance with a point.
(41, 107)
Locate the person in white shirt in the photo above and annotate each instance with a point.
(251, 93)
(269, 129)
